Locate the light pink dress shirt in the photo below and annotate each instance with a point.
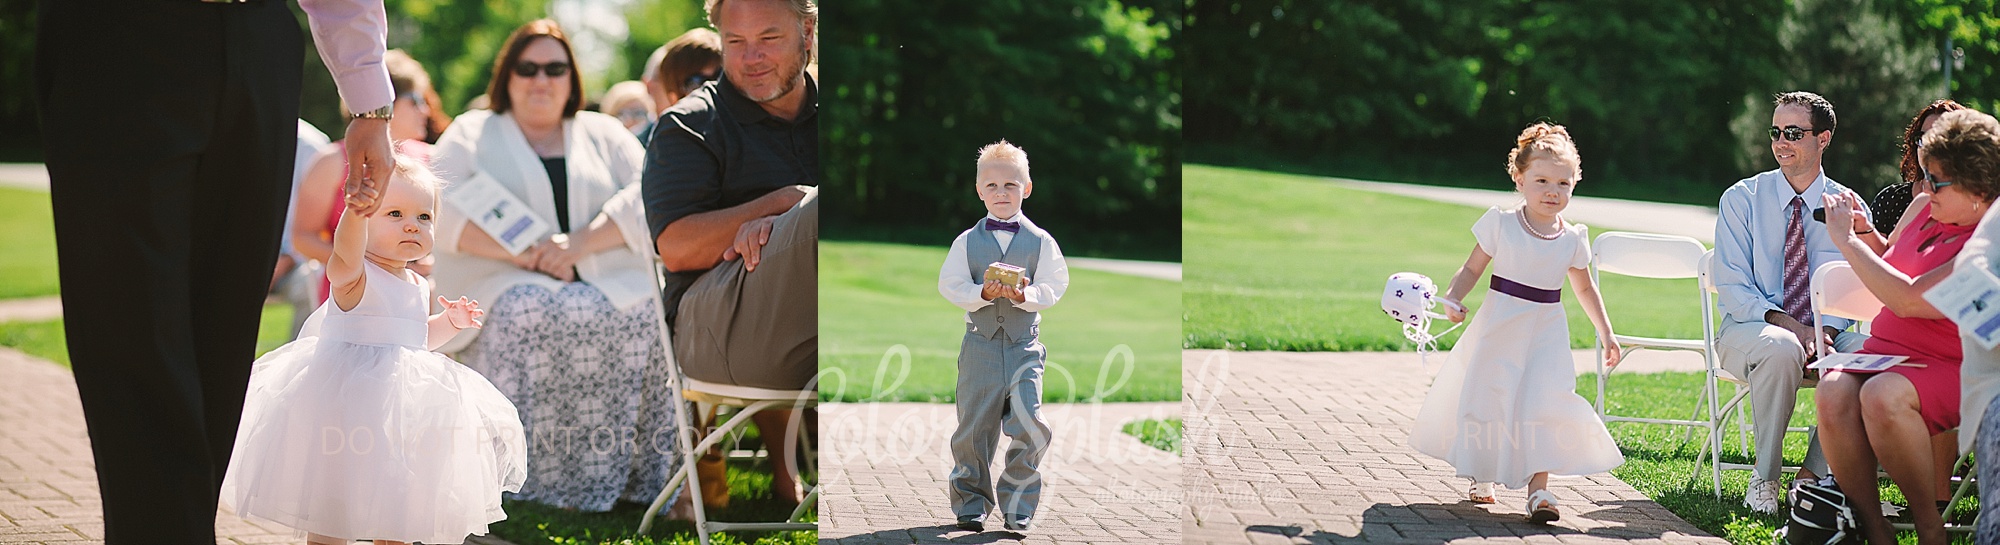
(352, 36)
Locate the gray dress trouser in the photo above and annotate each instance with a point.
(999, 391)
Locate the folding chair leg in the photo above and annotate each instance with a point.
(812, 496)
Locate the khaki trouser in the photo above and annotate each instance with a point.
(1773, 361)
(758, 329)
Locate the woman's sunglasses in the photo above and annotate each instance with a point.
(695, 81)
(1936, 182)
(1791, 134)
(416, 99)
(555, 69)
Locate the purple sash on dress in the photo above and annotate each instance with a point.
(1525, 292)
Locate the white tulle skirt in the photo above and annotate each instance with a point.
(373, 442)
(1504, 406)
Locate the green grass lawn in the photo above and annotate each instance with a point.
(1160, 434)
(749, 489)
(875, 297)
(45, 339)
(27, 244)
(1660, 462)
(1285, 262)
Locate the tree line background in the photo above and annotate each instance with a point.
(1090, 88)
(1667, 100)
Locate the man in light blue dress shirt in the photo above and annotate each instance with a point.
(1766, 246)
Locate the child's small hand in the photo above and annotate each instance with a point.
(362, 198)
(1452, 310)
(463, 313)
(993, 289)
(1013, 293)
(1612, 355)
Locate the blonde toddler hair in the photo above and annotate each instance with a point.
(1542, 138)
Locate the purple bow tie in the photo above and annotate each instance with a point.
(1007, 226)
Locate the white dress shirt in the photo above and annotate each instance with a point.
(1044, 289)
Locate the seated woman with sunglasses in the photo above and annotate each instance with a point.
(571, 333)
(1889, 417)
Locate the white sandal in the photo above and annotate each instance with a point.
(1481, 493)
(1542, 507)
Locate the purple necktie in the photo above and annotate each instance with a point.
(1798, 269)
(1007, 226)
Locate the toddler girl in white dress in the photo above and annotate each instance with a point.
(1504, 407)
(357, 430)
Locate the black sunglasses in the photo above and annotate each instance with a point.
(1791, 133)
(695, 81)
(1936, 182)
(555, 69)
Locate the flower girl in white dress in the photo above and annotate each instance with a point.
(359, 431)
(1504, 407)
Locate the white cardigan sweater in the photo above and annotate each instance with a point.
(603, 160)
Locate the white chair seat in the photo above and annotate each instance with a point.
(730, 394)
(1695, 345)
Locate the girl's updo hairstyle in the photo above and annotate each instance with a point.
(1542, 138)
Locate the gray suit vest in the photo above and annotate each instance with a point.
(1024, 251)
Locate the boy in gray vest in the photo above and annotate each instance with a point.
(1000, 360)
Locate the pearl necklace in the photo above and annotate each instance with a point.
(1523, 215)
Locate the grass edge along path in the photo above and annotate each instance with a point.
(1163, 434)
(1294, 263)
(886, 334)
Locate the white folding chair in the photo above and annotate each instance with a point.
(1837, 291)
(1717, 375)
(1647, 255)
(748, 402)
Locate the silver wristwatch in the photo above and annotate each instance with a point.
(379, 113)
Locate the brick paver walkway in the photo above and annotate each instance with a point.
(48, 483)
(1309, 448)
(884, 465)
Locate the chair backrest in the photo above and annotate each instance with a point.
(1647, 255)
(1707, 269)
(1836, 291)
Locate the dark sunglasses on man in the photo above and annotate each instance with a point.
(555, 69)
(1791, 133)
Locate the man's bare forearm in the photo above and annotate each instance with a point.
(696, 242)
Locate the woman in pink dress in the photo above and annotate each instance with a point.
(1889, 417)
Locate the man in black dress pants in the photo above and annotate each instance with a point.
(170, 130)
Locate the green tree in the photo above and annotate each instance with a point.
(1877, 75)
(1089, 88)
(653, 23)
(20, 132)
(456, 40)
(1974, 29)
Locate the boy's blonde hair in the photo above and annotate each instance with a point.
(1006, 152)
